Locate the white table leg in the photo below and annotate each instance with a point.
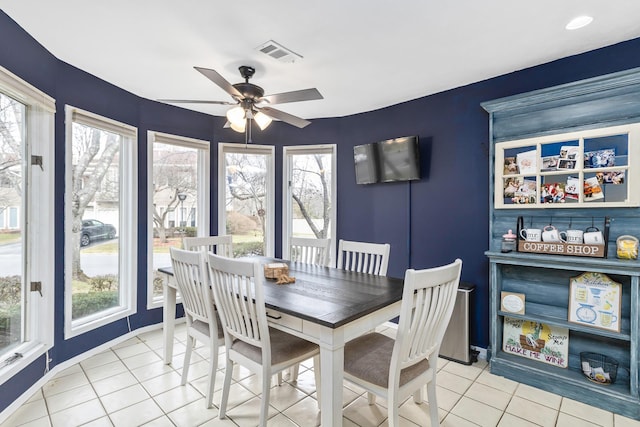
(331, 381)
(168, 318)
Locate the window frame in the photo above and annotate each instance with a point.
(203, 177)
(40, 234)
(128, 213)
(230, 147)
(287, 208)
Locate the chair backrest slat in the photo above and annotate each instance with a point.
(427, 303)
(372, 258)
(192, 282)
(309, 251)
(238, 291)
(219, 245)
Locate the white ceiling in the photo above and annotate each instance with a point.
(361, 54)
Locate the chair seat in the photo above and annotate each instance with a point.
(284, 347)
(203, 327)
(368, 357)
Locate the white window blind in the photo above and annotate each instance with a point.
(181, 141)
(93, 120)
(22, 91)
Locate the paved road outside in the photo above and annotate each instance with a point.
(93, 264)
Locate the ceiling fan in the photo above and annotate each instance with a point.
(248, 99)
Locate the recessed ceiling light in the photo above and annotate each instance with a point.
(579, 22)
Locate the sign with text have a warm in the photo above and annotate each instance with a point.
(536, 341)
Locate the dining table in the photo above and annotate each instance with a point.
(325, 305)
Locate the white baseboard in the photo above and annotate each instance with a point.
(482, 352)
(24, 397)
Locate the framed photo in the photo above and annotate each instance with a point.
(594, 300)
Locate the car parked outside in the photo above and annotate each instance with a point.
(92, 229)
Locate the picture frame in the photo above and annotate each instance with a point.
(595, 301)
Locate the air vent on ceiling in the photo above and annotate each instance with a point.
(279, 52)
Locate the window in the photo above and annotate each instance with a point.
(178, 199)
(26, 223)
(246, 197)
(309, 194)
(100, 209)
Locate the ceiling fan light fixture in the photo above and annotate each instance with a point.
(236, 116)
(239, 127)
(262, 120)
(579, 22)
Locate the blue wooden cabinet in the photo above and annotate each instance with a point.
(543, 117)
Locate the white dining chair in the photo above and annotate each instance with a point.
(309, 251)
(372, 258)
(203, 324)
(220, 245)
(238, 290)
(396, 369)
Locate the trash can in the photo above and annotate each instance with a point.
(455, 344)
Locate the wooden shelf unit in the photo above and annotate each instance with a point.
(572, 112)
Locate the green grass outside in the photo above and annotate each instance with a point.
(80, 287)
(9, 237)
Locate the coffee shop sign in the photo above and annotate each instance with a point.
(562, 248)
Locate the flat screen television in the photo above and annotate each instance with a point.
(396, 159)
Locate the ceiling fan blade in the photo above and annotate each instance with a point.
(285, 117)
(196, 101)
(294, 96)
(220, 81)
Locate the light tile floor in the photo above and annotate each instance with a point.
(128, 385)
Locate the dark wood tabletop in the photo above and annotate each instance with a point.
(327, 296)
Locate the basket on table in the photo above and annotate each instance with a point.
(599, 368)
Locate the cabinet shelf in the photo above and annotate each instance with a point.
(566, 262)
(542, 374)
(558, 317)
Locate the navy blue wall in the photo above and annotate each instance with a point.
(429, 222)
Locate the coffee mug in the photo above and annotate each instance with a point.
(607, 318)
(593, 236)
(573, 236)
(530, 234)
(550, 234)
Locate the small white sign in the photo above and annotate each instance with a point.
(512, 302)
